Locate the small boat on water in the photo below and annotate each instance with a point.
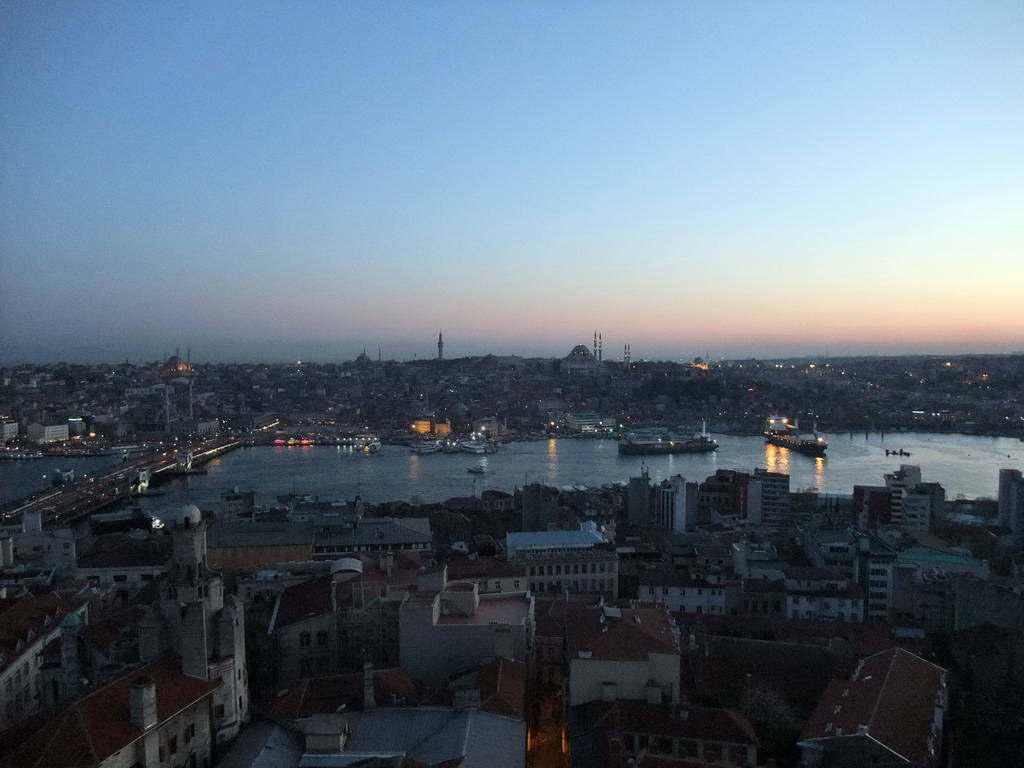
(478, 470)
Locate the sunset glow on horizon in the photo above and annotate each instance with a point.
(278, 182)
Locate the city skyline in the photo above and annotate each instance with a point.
(743, 180)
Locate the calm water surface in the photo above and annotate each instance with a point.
(967, 466)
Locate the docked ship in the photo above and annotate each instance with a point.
(427, 446)
(778, 431)
(655, 443)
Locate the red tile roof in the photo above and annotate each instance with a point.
(639, 632)
(98, 725)
(38, 614)
(326, 694)
(503, 687)
(893, 695)
(305, 600)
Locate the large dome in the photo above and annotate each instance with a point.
(580, 350)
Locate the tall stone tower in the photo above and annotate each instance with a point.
(196, 620)
(440, 346)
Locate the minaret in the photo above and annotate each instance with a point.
(440, 346)
(600, 348)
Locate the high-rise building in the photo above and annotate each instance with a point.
(907, 476)
(1011, 503)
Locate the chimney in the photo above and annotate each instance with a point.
(142, 703)
(368, 699)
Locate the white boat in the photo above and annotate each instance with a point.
(473, 446)
(428, 446)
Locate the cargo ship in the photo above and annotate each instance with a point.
(653, 443)
(778, 431)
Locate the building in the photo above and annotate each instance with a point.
(724, 494)
(47, 433)
(126, 561)
(872, 506)
(644, 734)
(338, 533)
(889, 712)
(922, 505)
(578, 561)
(539, 506)
(434, 736)
(441, 633)
(1011, 503)
(579, 361)
(206, 628)
(675, 505)
(621, 653)
(8, 431)
(156, 716)
(861, 556)
(31, 544)
(243, 546)
(639, 500)
(680, 592)
(815, 593)
(28, 624)
(907, 477)
(343, 617)
(768, 501)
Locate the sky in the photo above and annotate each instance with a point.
(276, 181)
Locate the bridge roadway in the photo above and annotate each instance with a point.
(77, 500)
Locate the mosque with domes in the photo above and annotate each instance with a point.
(581, 360)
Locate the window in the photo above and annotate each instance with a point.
(172, 744)
(190, 732)
(304, 640)
(321, 637)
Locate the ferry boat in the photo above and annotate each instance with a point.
(21, 455)
(778, 431)
(655, 443)
(427, 446)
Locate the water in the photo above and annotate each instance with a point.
(965, 466)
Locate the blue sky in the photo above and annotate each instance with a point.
(277, 181)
